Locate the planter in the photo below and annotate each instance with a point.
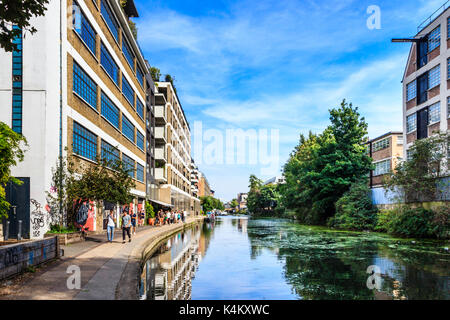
(151, 221)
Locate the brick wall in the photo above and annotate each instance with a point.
(16, 258)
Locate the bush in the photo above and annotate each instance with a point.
(149, 211)
(354, 210)
(56, 228)
(440, 224)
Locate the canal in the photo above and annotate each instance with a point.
(241, 258)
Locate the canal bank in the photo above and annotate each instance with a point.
(104, 269)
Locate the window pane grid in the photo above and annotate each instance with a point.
(140, 172)
(382, 167)
(128, 164)
(382, 144)
(140, 140)
(109, 153)
(127, 52)
(127, 91)
(434, 113)
(127, 128)
(17, 97)
(434, 77)
(140, 76)
(110, 20)
(84, 142)
(140, 108)
(84, 28)
(434, 39)
(411, 90)
(411, 123)
(84, 86)
(110, 111)
(108, 63)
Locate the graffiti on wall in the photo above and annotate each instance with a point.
(39, 219)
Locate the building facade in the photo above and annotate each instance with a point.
(386, 152)
(78, 87)
(204, 188)
(426, 81)
(242, 200)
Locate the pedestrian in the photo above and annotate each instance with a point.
(133, 222)
(126, 226)
(111, 225)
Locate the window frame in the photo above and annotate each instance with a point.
(84, 21)
(414, 82)
(125, 162)
(111, 17)
(126, 85)
(438, 78)
(436, 106)
(93, 140)
(86, 99)
(415, 123)
(104, 52)
(125, 122)
(108, 151)
(107, 102)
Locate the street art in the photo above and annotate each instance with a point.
(85, 214)
(39, 220)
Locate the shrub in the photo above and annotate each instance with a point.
(354, 210)
(412, 222)
(149, 211)
(440, 224)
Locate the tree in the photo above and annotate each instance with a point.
(149, 211)
(234, 203)
(210, 203)
(262, 199)
(417, 179)
(133, 28)
(12, 150)
(324, 166)
(14, 18)
(171, 79)
(156, 73)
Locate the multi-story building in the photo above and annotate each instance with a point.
(75, 87)
(426, 81)
(386, 151)
(275, 180)
(195, 202)
(242, 200)
(204, 188)
(172, 150)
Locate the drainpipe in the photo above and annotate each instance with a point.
(60, 108)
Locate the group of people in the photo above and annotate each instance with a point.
(169, 217)
(129, 221)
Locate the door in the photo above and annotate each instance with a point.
(19, 198)
(422, 123)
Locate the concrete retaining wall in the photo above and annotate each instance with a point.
(15, 258)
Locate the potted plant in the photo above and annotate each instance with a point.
(150, 212)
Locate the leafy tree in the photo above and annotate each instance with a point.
(262, 199)
(234, 203)
(149, 211)
(18, 13)
(171, 79)
(133, 28)
(210, 203)
(417, 179)
(156, 73)
(323, 167)
(12, 151)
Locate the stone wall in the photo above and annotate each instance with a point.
(15, 258)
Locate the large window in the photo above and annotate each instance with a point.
(382, 167)
(448, 107)
(139, 108)
(411, 90)
(434, 39)
(127, 52)
(110, 111)
(140, 172)
(127, 128)
(84, 142)
(83, 27)
(108, 63)
(127, 90)
(434, 77)
(128, 164)
(140, 76)
(84, 86)
(381, 144)
(110, 19)
(448, 68)
(411, 123)
(17, 84)
(139, 140)
(109, 153)
(434, 113)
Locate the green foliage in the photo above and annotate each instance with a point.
(354, 210)
(234, 203)
(210, 203)
(11, 152)
(18, 13)
(149, 211)
(156, 73)
(324, 166)
(133, 28)
(171, 79)
(58, 229)
(263, 200)
(409, 222)
(418, 177)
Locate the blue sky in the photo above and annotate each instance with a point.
(279, 65)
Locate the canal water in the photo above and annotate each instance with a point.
(241, 258)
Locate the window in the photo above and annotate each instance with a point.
(140, 76)
(127, 91)
(84, 86)
(411, 123)
(381, 144)
(448, 107)
(17, 93)
(382, 167)
(139, 108)
(128, 164)
(448, 68)
(83, 27)
(422, 88)
(110, 111)
(400, 140)
(108, 63)
(434, 77)
(110, 19)
(109, 153)
(140, 172)
(84, 142)
(139, 140)
(127, 128)
(434, 39)
(434, 113)
(411, 90)
(127, 52)
(409, 154)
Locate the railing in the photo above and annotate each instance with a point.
(433, 16)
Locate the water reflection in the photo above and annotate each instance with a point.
(277, 259)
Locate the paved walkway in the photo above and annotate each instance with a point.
(102, 266)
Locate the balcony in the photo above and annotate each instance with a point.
(160, 115)
(160, 154)
(160, 174)
(161, 134)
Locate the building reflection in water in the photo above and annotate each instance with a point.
(168, 273)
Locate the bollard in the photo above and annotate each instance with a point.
(19, 231)
(7, 231)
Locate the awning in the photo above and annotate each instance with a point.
(162, 203)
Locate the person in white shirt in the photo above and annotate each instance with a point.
(111, 225)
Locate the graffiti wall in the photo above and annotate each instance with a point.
(39, 220)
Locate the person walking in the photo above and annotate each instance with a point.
(110, 226)
(126, 226)
(133, 222)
